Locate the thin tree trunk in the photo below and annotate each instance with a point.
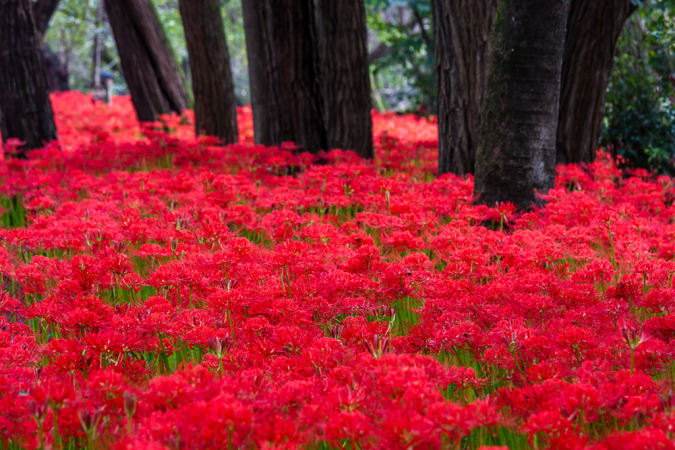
(593, 29)
(215, 104)
(516, 149)
(43, 10)
(24, 100)
(148, 64)
(284, 73)
(462, 33)
(98, 47)
(345, 76)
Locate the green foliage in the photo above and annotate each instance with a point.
(401, 36)
(12, 213)
(400, 32)
(73, 27)
(236, 45)
(71, 36)
(639, 120)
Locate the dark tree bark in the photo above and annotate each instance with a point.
(55, 71)
(148, 64)
(284, 73)
(462, 33)
(593, 30)
(343, 49)
(516, 147)
(26, 110)
(43, 10)
(212, 85)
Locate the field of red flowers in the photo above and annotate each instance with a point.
(159, 291)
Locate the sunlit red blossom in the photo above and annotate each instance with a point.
(646, 438)
(243, 295)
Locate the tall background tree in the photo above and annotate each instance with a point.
(636, 115)
(345, 76)
(97, 51)
(25, 108)
(215, 104)
(516, 148)
(150, 69)
(43, 10)
(462, 32)
(284, 73)
(593, 29)
(57, 78)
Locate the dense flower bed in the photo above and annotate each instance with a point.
(160, 291)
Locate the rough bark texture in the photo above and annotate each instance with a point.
(343, 49)
(516, 148)
(212, 85)
(284, 73)
(148, 64)
(593, 29)
(43, 10)
(462, 34)
(26, 110)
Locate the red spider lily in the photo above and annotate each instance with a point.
(167, 291)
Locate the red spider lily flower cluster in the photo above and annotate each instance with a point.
(163, 291)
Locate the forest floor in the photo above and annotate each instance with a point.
(160, 291)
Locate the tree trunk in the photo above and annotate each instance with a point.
(462, 33)
(215, 104)
(345, 75)
(593, 30)
(98, 47)
(516, 148)
(43, 10)
(148, 64)
(55, 71)
(284, 73)
(27, 111)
